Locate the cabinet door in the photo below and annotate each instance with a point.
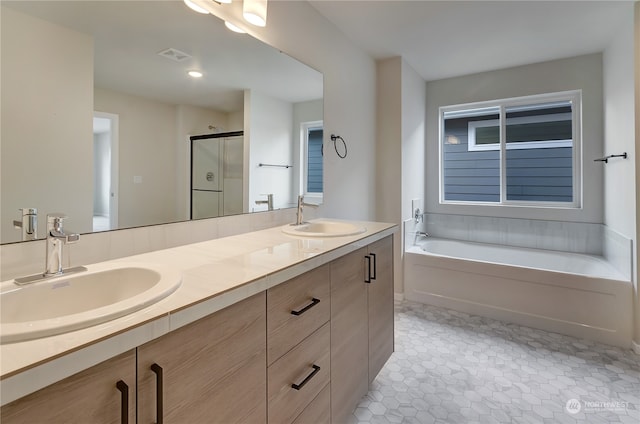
(91, 396)
(213, 370)
(349, 335)
(380, 305)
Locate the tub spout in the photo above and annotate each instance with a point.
(420, 234)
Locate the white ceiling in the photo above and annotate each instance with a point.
(442, 39)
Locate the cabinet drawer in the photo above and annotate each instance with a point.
(308, 296)
(319, 410)
(285, 403)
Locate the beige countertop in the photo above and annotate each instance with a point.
(215, 274)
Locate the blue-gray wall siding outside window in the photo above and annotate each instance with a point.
(314, 161)
(537, 174)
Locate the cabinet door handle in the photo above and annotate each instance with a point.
(367, 279)
(124, 401)
(316, 368)
(157, 369)
(313, 303)
(375, 266)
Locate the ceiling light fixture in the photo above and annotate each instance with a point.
(255, 12)
(195, 74)
(223, 1)
(191, 5)
(234, 28)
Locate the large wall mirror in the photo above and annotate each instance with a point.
(99, 116)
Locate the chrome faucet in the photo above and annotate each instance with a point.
(268, 202)
(420, 234)
(56, 237)
(301, 203)
(28, 224)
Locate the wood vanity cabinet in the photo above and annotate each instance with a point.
(380, 305)
(298, 340)
(210, 371)
(104, 393)
(302, 352)
(361, 323)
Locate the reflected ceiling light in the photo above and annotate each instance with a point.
(234, 28)
(195, 74)
(255, 12)
(191, 5)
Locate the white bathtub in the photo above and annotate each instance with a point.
(569, 293)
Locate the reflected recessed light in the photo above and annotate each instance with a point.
(191, 5)
(195, 74)
(234, 28)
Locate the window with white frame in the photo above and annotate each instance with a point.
(520, 151)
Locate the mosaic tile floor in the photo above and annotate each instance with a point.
(451, 367)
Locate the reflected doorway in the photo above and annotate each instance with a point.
(105, 171)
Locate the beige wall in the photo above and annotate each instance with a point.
(400, 147)
(619, 126)
(582, 72)
(146, 149)
(46, 122)
(620, 198)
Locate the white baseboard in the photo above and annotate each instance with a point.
(398, 297)
(635, 347)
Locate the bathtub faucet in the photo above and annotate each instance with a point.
(420, 234)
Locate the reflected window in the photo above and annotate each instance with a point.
(312, 151)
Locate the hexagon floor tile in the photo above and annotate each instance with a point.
(450, 367)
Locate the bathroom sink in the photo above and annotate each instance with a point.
(323, 229)
(67, 303)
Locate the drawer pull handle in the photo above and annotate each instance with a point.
(307, 378)
(313, 303)
(157, 369)
(124, 401)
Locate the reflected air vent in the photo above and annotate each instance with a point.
(175, 54)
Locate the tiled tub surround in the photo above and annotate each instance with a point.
(215, 274)
(575, 237)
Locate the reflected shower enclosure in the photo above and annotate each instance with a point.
(216, 174)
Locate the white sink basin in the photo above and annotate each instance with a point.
(67, 303)
(324, 229)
